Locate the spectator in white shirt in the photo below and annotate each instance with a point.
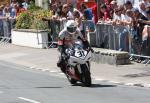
(25, 4)
(142, 9)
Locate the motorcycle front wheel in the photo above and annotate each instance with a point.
(86, 76)
(72, 81)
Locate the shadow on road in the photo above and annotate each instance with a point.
(47, 87)
(95, 85)
(145, 74)
(102, 85)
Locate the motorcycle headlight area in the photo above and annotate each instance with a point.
(78, 47)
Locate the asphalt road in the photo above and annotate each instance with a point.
(19, 84)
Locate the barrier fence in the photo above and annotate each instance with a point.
(5, 30)
(111, 37)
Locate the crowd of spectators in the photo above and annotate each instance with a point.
(8, 14)
(133, 19)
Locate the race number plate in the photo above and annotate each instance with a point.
(81, 54)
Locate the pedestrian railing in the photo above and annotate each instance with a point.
(135, 55)
(4, 40)
(108, 36)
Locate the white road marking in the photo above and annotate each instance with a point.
(129, 84)
(53, 71)
(12, 55)
(61, 73)
(98, 79)
(28, 100)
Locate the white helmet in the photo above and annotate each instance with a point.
(71, 26)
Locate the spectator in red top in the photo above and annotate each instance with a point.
(94, 11)
(103, 14)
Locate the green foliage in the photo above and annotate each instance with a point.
(33, 7)
(32, 19)
(23, 21)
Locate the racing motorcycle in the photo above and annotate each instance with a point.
(78, 64)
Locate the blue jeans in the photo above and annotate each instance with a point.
(122, 40)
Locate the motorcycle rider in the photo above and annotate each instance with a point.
(66, 37)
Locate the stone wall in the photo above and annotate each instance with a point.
(112, 57)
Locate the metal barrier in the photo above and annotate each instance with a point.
(5, 31)
(135, 55)
(107, 36)
(4, 40)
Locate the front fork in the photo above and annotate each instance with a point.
(80, 69)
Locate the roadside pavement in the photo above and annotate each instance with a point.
(45, 60)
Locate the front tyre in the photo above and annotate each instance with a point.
(72, 81)
(86, 76)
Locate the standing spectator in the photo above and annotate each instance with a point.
(146, 3)
(129, 5)
(73, 9)
(139, 25)
(13, 11)
(66, 13)
(78, 20)
(5, 8)
(6, 22)
(113, 7)
(142, 8)
(146, 36)
(14, 2)
(6, 11)
(103, 14)
(13, 15)
(87, 12)
(94, 11)
(20, 9)
(14, 8)
(25, 4)
(123, 20)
